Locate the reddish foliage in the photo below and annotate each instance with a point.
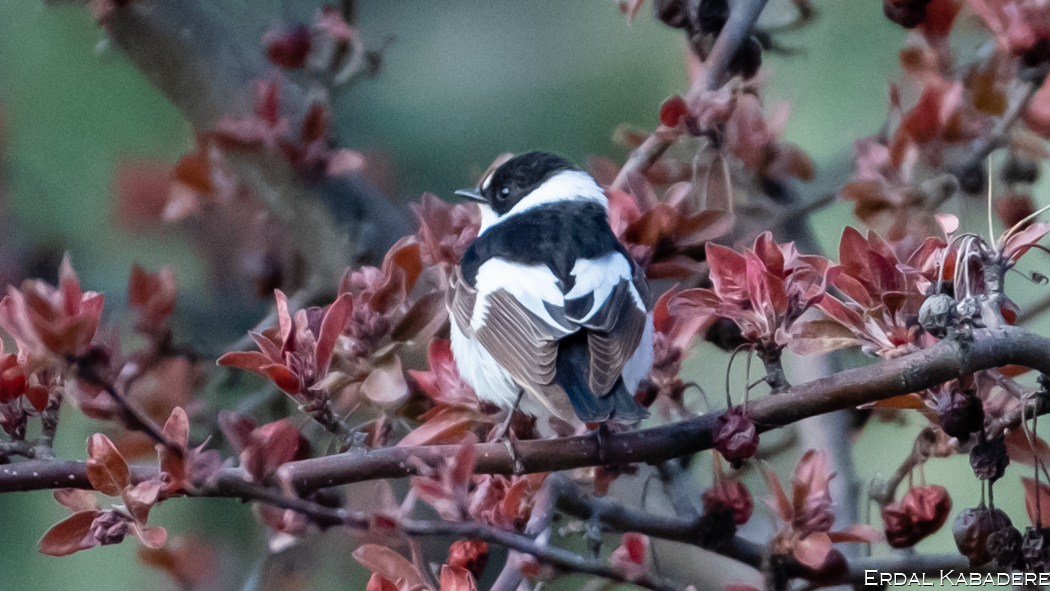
(807, 517)
(728, 495)
(471, 555)
(262, 450)
(295, 353)
(630, 558)
(45, 320)
(764, 291)
(288, 46)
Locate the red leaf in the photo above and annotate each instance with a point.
(457, 578)
(388, 564)
(673, 111)
(424, 312)
(386, 385)
(237, 429)
(781, 503)
(283, 377)
(1038, 515)
(1037, 115)
(139, 499)
(728, 269)
(106, 468)
(177, 428)
(151, 537)
(271, 446)
(378, 582)
(194, 171)
(332, 326)
(288, 47)
(447, 426)
(923, 121)
(38, 397)
(69, 535)
(812, 551)
(76, 500)
(249, 360)
(463, 466)
(315, 124)
(940, 15)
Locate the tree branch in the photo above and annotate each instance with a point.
(944, 361)
(741, 21)
(914, 372)
(196, 60)
(230, 485)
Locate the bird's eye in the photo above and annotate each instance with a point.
(504, 191)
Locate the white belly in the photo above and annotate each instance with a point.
(480, 369)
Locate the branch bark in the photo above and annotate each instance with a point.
(917, 371)
(198, 63)
(944, 361)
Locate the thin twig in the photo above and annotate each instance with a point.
(233, 486)
(741, 21)
(994, 139)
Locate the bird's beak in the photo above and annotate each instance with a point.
(472, 194)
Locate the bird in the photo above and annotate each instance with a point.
(549, 312)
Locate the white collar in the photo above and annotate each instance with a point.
(567, 185)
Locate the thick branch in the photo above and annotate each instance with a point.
(847, 389)
(930, 367)
(196, 60)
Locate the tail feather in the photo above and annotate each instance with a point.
(572, 368)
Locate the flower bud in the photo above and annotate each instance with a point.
(109, 528)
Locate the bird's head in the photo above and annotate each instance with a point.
(534, 179)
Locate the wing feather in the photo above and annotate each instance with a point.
(523, 343)
(460, 300)
(613, 334)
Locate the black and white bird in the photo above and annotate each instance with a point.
(549, 312)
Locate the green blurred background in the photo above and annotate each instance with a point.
(462, 82)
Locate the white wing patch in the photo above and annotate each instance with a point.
(600, 276)
(532, 285)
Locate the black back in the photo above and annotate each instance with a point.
(517, 177)
(555, 235)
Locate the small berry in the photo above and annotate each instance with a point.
(960, 413)
(988, 459)
(736, 437)
(971, 529)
